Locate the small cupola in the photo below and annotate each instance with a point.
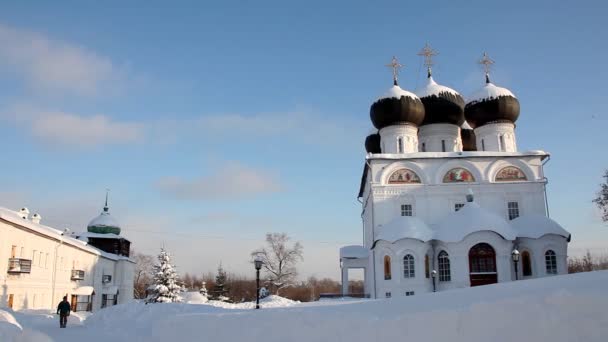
(36, 218)
(24, 213)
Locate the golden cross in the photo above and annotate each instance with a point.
(428, 54)
(395, 66)
(487, 62)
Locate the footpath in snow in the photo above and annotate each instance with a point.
(560, 308)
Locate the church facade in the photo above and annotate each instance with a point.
(448, 201)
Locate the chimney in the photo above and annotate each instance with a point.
(36, 218)
(24, 213)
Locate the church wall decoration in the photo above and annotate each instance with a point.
(458, 175)
(404, 176)
(510, 173)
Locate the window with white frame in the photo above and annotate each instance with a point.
(483, 145)
(551, 262)
(443, 263)
(409, 293)
(513, 210)
(400, 145)
(388, 295)
(407, 210)
(458, 206)
(408, 266)
(442, 145)
(423, 147)
(501, 143)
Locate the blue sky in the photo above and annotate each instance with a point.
(215, 123)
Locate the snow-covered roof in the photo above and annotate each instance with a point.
(470, 219)
(396, 92)
(534, 226)
(83, 291)
(354, 252)
(85, 235)
(488, 92)
(111, 290)
(404, 227)
(432, 88)
(443, 155)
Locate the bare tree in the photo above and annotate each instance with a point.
(602, 198)
(144, 265)
(280, 260)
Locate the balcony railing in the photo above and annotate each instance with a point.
(77, 275)
(17, 265)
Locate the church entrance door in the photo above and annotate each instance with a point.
(482, 265)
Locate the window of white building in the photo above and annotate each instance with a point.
(551, 262)
(400, 145)
(423, 147)
(513, 209)
(443, 263)
(387, 267)
(458, 206)
(409, 293)
(388, 295)
(442, 145)
(407, 210)
(408, 266)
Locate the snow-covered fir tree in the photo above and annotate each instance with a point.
(219, 290)
(203, 290)
(166, 287)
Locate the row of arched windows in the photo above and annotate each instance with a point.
(458, 175)
(443, 265)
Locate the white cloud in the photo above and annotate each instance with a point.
(50, 65)
(232, 181)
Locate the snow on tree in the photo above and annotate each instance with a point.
(602, 198)
(280, 260)
(203, 290)
(166, 287)
(219, 290)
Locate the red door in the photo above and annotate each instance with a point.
(482, 265)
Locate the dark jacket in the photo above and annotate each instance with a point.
(63, 308)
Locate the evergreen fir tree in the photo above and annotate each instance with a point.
(219, 290)
(166, 286)
(203, 290)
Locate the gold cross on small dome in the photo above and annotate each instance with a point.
(487, 62)
(395, 66)
(428, 54)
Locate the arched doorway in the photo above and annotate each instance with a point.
(482, 265)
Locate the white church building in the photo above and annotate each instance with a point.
(41, 264)
(448, 201)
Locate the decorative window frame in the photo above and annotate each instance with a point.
(545, 263)
(493, 169)
(383, 176)
(453, 164)
(409, 272)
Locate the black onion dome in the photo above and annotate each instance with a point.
(491, 104)
(397, 107)
(372, 143)
(441, 104)
(467, 135)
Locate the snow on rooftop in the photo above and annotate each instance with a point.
(534, 226)
(84, 236)
(396, 92)
(470, 219)
(465, 125)
(463, 154)
(83, 291)
(404, 227)
(104, 220)
(432, 88)
(488, 92)
(354, 252)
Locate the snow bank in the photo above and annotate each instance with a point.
(9, 327)
(558, 308)
(193, 297)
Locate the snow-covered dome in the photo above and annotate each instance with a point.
(534, 226)
(397, 107)
(491, 104)
(372, 143)
(404, 227)
(441, 104)
(104, 223)
(470, 219)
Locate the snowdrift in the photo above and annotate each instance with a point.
(560, 308)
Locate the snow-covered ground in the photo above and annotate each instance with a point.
(561, 308)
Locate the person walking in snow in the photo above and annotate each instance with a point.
(63, 310)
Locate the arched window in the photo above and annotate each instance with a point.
(551, 262)
(387, 267)
(427, 267)
(408, 266)
(443, 262)
(400, 142)
(526, 264)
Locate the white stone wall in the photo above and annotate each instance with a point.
(391, 135)
(496, 137)
(35, 290)
(434, 137)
